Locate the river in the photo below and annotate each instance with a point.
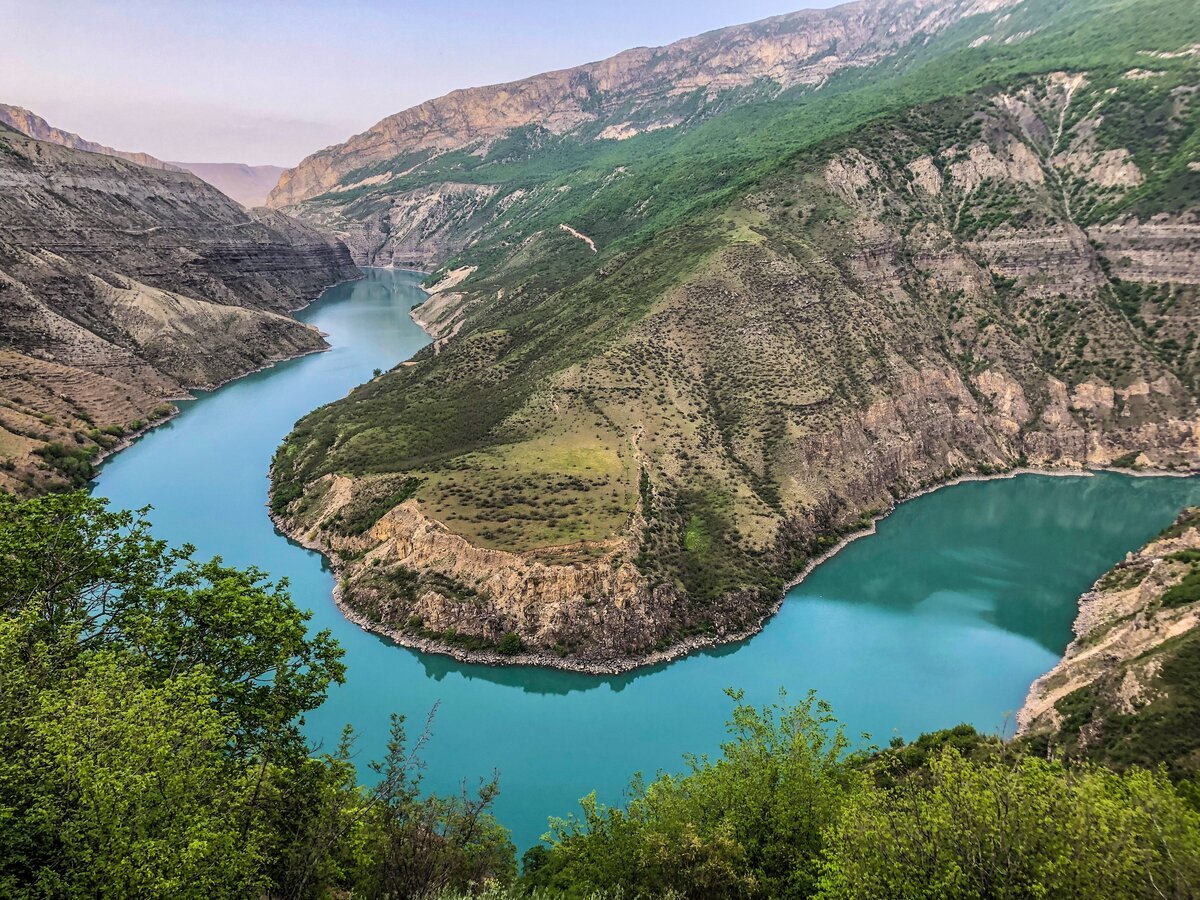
(945, 616)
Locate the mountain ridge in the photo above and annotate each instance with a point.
(247, 184)
(30, 123)
(802, 47)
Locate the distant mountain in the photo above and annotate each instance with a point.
(36, 127)
(248, 185)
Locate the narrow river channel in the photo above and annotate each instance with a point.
(946, 615)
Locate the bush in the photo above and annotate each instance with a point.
(510, 645)
(74, 464)
(750, 824)
(1029, 828)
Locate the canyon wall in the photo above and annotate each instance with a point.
(121, 286)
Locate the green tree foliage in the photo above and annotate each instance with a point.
(149, 734)
(419, 844)
(1029, 828)
(748, 824)
(790, 812)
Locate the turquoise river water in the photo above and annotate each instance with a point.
(945, 616)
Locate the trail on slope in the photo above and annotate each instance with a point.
(583, 237)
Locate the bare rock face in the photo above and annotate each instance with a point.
(416, 229)
(635, 91)
(121, 286)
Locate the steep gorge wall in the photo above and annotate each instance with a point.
(916, 301)
(121, 286)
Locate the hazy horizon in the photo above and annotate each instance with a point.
(267, 82)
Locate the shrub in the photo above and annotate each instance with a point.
(510, 645)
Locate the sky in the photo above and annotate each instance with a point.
(270, 81)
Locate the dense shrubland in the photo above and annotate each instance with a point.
(150, 746)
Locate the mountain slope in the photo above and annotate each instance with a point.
(636, 92)
(120, 287)
(660, 390)
(33, 125)
(248, 185)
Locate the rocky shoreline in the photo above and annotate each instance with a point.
(1122, 632)
(683, 648)
(543, 659)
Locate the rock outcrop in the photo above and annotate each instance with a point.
(120, 287)
(416, 229)
(1125, 690)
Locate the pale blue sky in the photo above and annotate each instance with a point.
(269, 81)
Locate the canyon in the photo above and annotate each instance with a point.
(124, 285)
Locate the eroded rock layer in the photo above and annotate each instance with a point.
(120, 287)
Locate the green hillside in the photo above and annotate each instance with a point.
(800, 310)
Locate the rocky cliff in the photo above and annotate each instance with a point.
(120, 287)
(654, 402)
(1127, 691)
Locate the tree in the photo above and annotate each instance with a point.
(97, 575)
(422, 846)
(510, 645)
(150, 742)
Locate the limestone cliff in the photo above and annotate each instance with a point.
(120, 287)
(1126, 691)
